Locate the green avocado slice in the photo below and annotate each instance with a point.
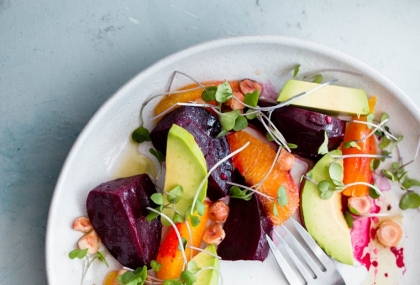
(324, 219)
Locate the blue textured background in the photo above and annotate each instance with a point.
(60, 60)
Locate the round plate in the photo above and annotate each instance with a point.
(268, 59)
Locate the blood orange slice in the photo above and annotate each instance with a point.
(253, 163)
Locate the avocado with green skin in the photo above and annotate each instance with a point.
(324, 219)
(185, 166)
(328, 99)
(203, 259)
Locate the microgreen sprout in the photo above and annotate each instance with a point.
(81, 254)
(318, 78)
(296, 70)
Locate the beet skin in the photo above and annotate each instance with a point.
(117, 211)
(204, 127)
(245, 228)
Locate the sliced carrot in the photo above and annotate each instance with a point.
(170, 257)
(253, 163)
(357, 169)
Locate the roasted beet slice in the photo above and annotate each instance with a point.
(245, 228)
(306, 129)
(117, 210)
(204, 127)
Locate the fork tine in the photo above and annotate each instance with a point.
(298, 263)
(283, 264)
(320, 254)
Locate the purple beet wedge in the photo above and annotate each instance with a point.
(117, 210)
(245, 228)
(307, 129)
(204, 127)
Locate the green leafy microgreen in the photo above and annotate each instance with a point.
(157, 198)
(309, 174)
(292, 145)
(240, 123)
(384, 143)
(374, 164)
(140, 135)
(318, 78)
(269, 137)
(251, 114)
(236, 192)
(327, 194)
(175, 194)
(354, 211)
(136, 277)
(221, 134)
(195, 220)
(155, 265)
(384, 117)
(209, 94)
(223, 92)
(188, 277)
(349, 219)
(227, 119)
(101, 257)
(336, 173)
(152, 215)
(282, 197)
(384, 153)
(296, 70)
(159, 155)
(410, 200)
(275, 211)
(323, 148)
(78, 253)
(183, 245)
(324, 186)
(373, 194)
(369, 118)
(199, 207)
(402, 175)
(408, 183)
(388, 174)
(352, 144)
(177, 218)
(193, 267)
(252, 98)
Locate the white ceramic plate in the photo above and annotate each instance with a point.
(264, 58)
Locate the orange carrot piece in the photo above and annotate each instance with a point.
(170, 257)
(358, 169)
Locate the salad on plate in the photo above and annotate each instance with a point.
(226, 162)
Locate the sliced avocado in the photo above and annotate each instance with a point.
(203, 259)
(324, 219)
(185, 166)
(330, 99)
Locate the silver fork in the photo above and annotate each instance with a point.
(316, 275)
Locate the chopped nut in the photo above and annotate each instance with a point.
(218, 211)
(233, 104)
(82, 224)
(214, 234)
(249, 86)
(91, 241)
(286, 160)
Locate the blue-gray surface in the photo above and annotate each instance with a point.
(60, 60)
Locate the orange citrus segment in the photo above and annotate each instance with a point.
(171, 99)
(170, 257)
(253, 163)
